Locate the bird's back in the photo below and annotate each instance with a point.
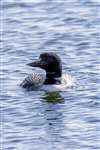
(36, 79)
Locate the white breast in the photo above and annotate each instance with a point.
(67, 81)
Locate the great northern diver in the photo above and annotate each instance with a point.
(50, 73)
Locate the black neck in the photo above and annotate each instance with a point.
(52, 81)
(52, 78)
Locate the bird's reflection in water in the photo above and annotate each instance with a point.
(54, 117)
(53, 97)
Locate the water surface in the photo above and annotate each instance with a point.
(34, 120)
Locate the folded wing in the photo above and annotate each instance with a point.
(35, 79)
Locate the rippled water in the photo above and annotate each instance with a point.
(34, 120)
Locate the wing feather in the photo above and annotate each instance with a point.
(35, 79)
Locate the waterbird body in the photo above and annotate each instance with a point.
(50, 74)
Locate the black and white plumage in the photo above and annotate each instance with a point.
(36, 79)
(49, 74)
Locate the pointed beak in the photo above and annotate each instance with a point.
(37, 63)
(34, 64)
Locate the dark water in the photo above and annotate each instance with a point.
(36, 120)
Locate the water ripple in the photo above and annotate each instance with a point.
(34, 120)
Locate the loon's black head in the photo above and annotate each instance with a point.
(51, 63)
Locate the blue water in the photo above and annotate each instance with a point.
(39, 120)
